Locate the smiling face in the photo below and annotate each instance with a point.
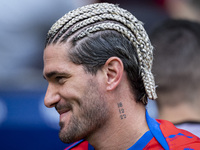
(77, 96)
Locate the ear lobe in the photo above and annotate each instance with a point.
(114, 71)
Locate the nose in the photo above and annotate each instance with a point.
(51, 97)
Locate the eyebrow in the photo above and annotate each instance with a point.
(53, 73)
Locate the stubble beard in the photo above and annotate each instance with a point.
(93, 115)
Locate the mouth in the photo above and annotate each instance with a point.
(64, 115)
(63, 110)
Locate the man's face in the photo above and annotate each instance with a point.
(77, 96)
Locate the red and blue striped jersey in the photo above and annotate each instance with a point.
(163, 135)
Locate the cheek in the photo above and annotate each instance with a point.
(72, 90)
(74, 94)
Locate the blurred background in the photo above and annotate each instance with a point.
(25, 123)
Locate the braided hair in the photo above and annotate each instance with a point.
(102, 30)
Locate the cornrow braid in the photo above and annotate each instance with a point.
(87, 11)
(104, 16)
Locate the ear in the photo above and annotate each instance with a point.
(114, 70)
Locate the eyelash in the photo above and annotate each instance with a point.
(59, 78)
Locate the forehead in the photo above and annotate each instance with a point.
(56, 57)
(56, 49)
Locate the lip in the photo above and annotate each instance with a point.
(63, 113)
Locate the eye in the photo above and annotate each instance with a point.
(60, 79)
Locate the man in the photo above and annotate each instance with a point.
(98, 61)
(176, 66)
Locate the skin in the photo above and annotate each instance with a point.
(79, 102)
(99, 108)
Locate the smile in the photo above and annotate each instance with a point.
(63, 114)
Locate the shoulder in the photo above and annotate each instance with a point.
(178, 138)
(191, 126)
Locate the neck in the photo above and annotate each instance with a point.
(180, 113)
(121, 132)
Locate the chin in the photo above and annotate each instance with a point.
(68, 135)
(68, 139)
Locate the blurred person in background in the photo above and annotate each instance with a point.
(23, 25)
(98, 61)
(183, 9)
(177, 72)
